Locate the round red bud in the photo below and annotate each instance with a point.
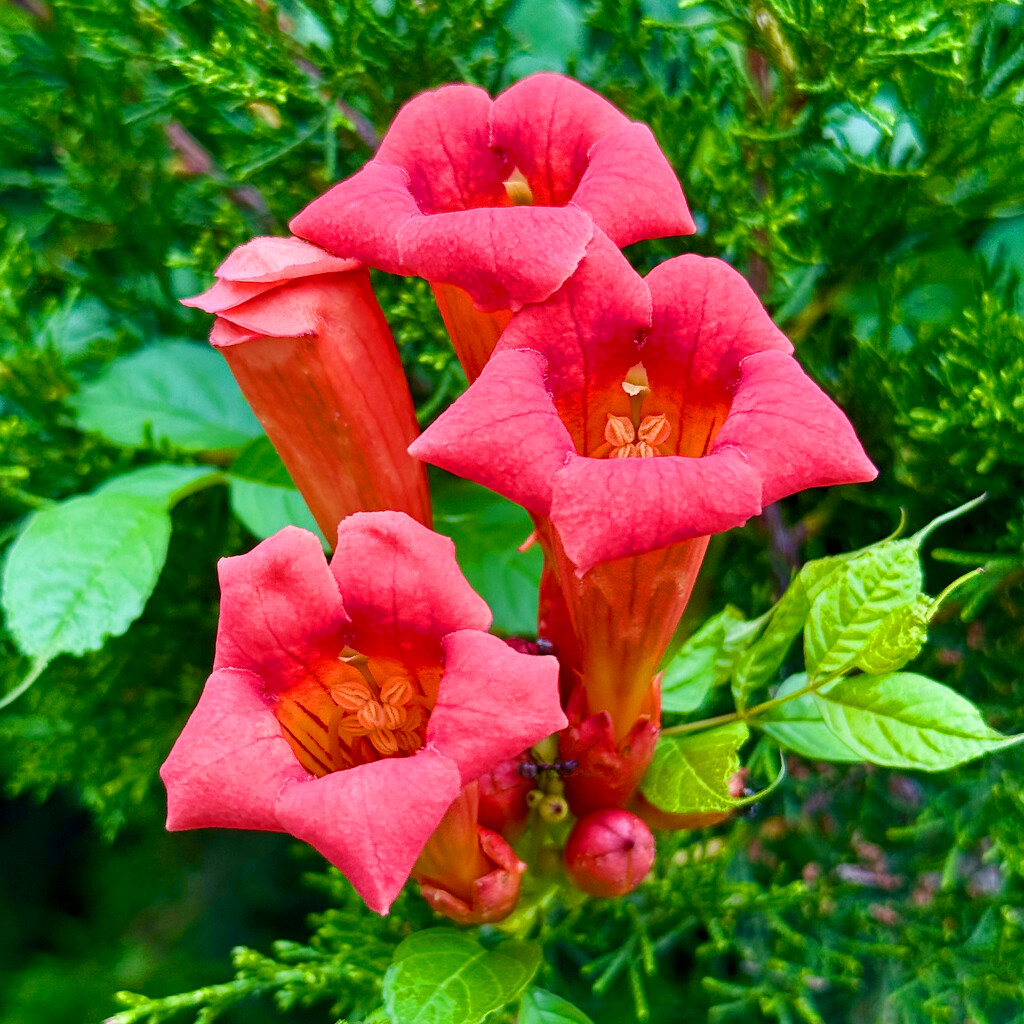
(609, 853)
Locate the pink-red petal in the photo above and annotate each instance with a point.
(504, 257)
(612, 508)
(493, 702)
(630, 190)
(403, 588)
(360, 217)
(269, 258)
(503, 432)
(281, 609)
(372, 821)
(790, 431)
(231, 760)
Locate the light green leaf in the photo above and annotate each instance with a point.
(759, 663)
(82, 571)
(441, 976)
(164, 482)
(797, 725)
(706, 659)
(855, 600)
(182, 393)
(487, 530)
(542, 1007)
(263, 495)
(904, 720)
(898, 638)
(690, 774)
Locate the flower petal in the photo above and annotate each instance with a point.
(360, 217)
(503, 432)
(281, 610)
(790, 431)
(630, 190)
(372, 821)
(442, 140)
(611, 508)
(225, 294)
(269, 259)
(493, 702)
(230, 762)
(505, 257)
(706, 319)
(403, 588)
(547, 124)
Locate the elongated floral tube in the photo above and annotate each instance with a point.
(351, 703)
(633, 419)
(495, 202)
(313, 355)
(467, 872)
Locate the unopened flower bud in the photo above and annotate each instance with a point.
(553, 809)
(609, 853)
(534, 798)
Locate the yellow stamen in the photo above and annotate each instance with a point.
(518, 189)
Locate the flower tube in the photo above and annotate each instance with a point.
(351, 703)
(495, 201)
(634, 418)
(313, 355)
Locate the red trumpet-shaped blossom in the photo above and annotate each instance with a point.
(634, 418)
(310, 349)
(350, 703)
(495, 202)
(466, 871)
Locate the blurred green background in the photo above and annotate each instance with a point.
(862, 164)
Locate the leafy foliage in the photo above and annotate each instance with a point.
(861, 163)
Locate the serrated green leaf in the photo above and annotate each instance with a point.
(542, 1007)
(759, 663)
(854, 601)
(706, 659)
(904, 720)
(898, 638)
(182, 393)
(441, 976)
(797, 725)
(487, 530)
(82, 571)
(690, 774)
(263, 495)
(164, 482)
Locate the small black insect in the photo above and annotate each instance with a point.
(530, 769)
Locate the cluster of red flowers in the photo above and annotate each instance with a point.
(361, 705)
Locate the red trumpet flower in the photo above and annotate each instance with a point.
(494, 202)
(350, 704)
(310, 349)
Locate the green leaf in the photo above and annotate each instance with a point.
(898, 638)
(542, 1007)
(82, 571)
(758, 664)
(855, 600)
(263, 495)
(487, 530)
(441, 976)
(797, 725)
(690, 774)
(904, 720)
(706, 659)
(164, 482)
(179, 392)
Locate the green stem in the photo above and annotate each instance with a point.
(749, 713)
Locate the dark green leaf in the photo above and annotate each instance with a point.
(542, 1007)
(182, 393)
(441, 976)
